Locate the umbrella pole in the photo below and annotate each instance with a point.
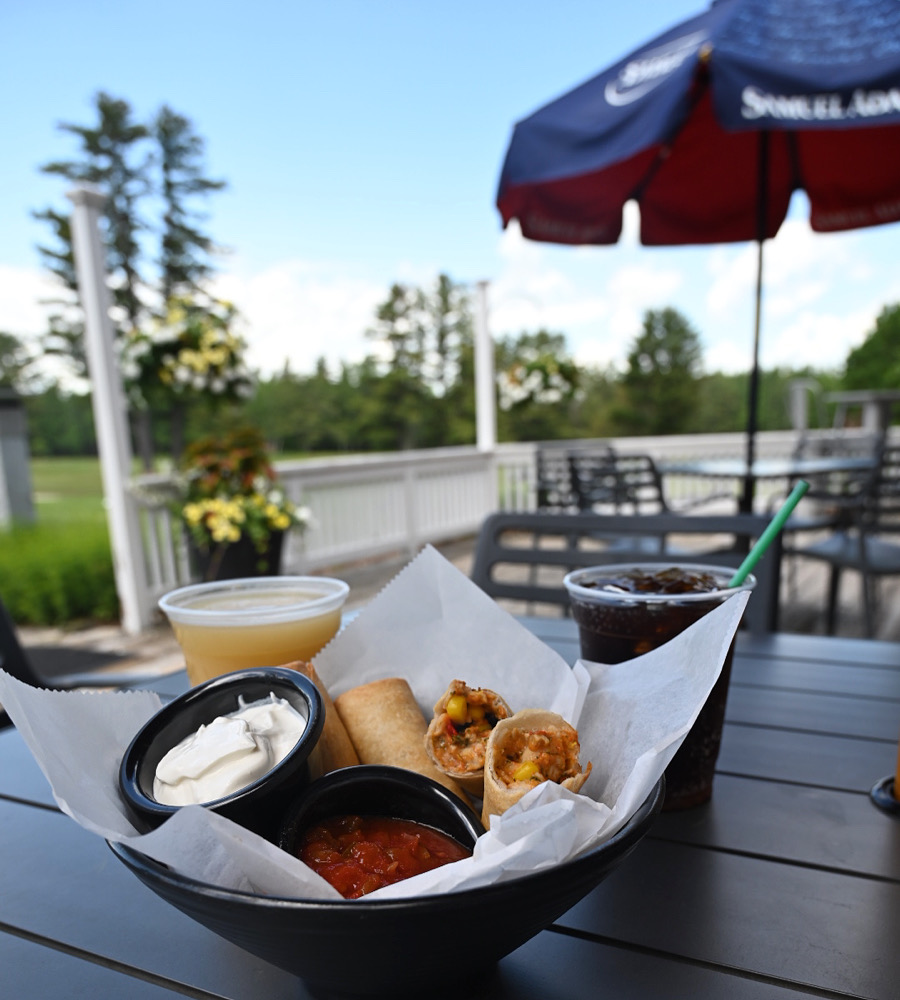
(746, 504)
(762, 197)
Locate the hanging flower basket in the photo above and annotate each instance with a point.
(191, 351)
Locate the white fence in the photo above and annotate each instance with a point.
(366, 506)
(363, 506)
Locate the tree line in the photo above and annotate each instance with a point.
(420, 398)
(183, 357)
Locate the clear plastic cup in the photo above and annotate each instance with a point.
(616, 624)
(263, 621)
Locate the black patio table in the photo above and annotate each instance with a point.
(768, 468)
(786, 885)
(789, 469)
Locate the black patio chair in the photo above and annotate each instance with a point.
(628, 483)
(865, 515)
(559, 468)
(523, 557)
(618, 483)
(15, 661)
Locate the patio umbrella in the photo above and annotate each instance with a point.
(712, 126)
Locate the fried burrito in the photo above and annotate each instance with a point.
(334, 749)
(530, 747)
(386, 725)
(457, 736)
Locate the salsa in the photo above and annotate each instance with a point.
(359, 854)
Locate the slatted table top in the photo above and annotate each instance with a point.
(786, 885)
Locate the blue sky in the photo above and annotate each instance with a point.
(362, 142)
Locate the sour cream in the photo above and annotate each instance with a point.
(230, 753)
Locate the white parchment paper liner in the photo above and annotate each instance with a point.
(431, 624)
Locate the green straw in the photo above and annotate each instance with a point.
(765, 539)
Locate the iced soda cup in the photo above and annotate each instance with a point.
(263, 621)
(624, 610)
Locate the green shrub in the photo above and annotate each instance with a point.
(58, 573)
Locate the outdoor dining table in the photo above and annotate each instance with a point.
(768, 468)
(786, 885)
(787, 468)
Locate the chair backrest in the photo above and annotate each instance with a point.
(12, 656)
(618, 483)
(554, 481)
(558, 479)
(523, 557)
(882, 504)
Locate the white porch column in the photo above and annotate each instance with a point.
(110, 413)
(485, 392)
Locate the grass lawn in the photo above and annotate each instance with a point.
(58, 570)
(67, 490)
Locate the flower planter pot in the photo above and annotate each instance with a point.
(231, 561)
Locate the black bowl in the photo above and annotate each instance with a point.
(377, 790)
(349, 947)
(258, 806)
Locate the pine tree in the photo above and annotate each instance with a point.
(65, 328)
(110, 160)
(184, 249)
(131, 162)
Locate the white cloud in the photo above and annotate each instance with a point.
(821, 295)
(296, 311)
(631, 225)
(816, 339)
(631, 290)
(596, 302)
(733, 276)
(529, 293)
(21, 291)
(729, 355)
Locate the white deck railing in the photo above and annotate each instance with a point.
(366, 506)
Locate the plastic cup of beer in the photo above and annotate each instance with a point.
(626, 609)
(263, 621)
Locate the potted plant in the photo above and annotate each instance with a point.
(235, 513)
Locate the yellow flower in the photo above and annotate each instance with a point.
(193, 513)
(234, 511)
(193, 359)
(216, 356)
(223, 531)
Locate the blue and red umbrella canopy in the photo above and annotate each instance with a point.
(712, 126)
(676, 126)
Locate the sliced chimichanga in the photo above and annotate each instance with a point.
(457, 736)
(386, 726)
(524, 750)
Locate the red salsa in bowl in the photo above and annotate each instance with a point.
(359, 854)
